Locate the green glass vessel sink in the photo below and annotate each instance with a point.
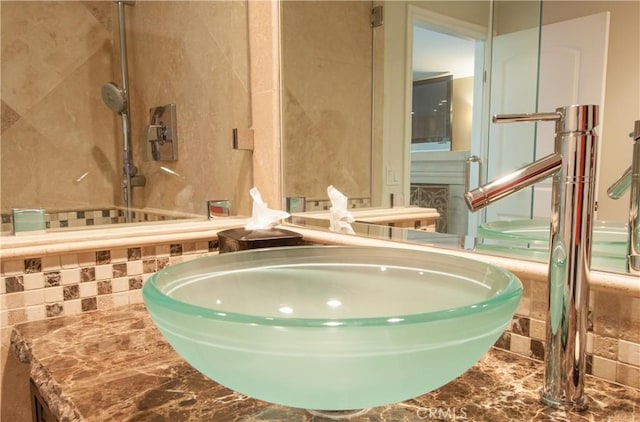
(332, 328)
(608, 236)
(529, 239)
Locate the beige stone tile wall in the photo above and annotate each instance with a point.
(264, 50)
(194, 54)
(61, 145)
(613, 338)
(327, 97)
(58, 138)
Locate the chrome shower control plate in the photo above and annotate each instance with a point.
(162, 133)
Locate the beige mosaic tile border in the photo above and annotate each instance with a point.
(89, 217)
(613, 338)
(325, 204)
(44, 287)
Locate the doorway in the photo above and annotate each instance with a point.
(447, 91)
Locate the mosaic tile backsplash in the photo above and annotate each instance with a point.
(44, 287)
(91, 217)
(613, 337)
(325, 204)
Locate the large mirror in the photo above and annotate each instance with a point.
(350, 117)
(62, 146)
(327, 95)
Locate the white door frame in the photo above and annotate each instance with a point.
(462, 29)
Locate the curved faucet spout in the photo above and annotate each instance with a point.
(620, 186)
(514, 182)
(630, 180)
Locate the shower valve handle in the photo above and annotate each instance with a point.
(158, 133)
(162, 133)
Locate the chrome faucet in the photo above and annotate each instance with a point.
(573, 166)
(631, 179)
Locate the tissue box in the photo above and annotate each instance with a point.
(241, 239)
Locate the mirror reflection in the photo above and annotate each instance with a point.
(517, 60)
(62, 147)
(327, 80)
(447, 41)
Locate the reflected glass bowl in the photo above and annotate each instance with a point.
(529, 239)
(332, 328)
(609, 237)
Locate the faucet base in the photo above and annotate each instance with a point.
(634, 264)
(579, 405)
(338, 414)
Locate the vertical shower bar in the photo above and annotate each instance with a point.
(127, 156)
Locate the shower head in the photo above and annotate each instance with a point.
(114, 97)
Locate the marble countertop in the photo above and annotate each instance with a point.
(115, 365)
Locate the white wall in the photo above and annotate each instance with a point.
(622, 96)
